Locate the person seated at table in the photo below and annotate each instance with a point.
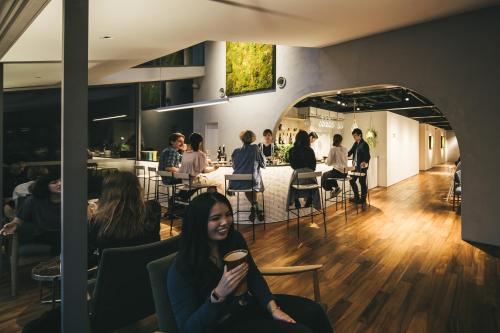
(361, 158)
(39, 218)
(249, 159)
(195, 162)
(170, 158)
(201, 289)
(22, 190)
(337, 158)
(267, 145)
(122, 218)
(302, 159)
(313, 136)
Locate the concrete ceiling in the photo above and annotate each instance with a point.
(148, 29)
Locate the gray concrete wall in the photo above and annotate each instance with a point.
(454, 62)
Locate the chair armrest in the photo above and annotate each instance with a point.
(288, 270)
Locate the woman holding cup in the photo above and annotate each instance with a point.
(215, 286)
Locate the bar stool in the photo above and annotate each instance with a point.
(311, 188)
(155, 178)
(344, 194)
(247, 177)
(362, 174)
(185, 182)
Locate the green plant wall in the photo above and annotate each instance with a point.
(249, 67)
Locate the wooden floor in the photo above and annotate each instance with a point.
(398, 266)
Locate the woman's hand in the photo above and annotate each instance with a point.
(9, 228)
(231, 279)
(278, 314)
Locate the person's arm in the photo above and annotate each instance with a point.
(311, 163)
(11, 227)
(330, 158)
(261, 159)
(352, 150)
(190, 315)
(293, 160)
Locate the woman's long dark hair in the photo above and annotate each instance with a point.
(193, 256)
(337, 140)
(195, 139)
(302, 139)
(121, 208)
(40, 188)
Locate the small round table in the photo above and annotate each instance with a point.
(48, 271)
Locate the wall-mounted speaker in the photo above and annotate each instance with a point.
(281, 82)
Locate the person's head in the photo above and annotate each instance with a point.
(337, 140)
(247, 137)
(302, 139)
(268, 136)
(208, 218)
(196, 141)
(36, 171)
(176, 140)
(47, 185)
(121, 208)
(313, 136)
(357, 134)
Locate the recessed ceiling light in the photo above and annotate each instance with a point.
(338, 102)
(357, 109)
(105, 37)
(338, 91)
(343, 104)
(407, 99)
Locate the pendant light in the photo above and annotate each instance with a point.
(354, 123)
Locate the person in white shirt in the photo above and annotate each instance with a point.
(196, 163)
(337, 158)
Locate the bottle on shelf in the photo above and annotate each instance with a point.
(290, 138)
(219, 154)
(224, 157)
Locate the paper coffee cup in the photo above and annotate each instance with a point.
(233, 259)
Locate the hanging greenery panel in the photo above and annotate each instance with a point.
(249, 67)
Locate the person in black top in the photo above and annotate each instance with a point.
(122, 218)
(267, 145)
(302, 159)
(39, 217)
(201, 288)
(361, 158)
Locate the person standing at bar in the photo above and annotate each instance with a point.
(267, 145)
(170, 158)
(361, 157)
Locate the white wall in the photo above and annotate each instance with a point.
(452, 149)
(435, 156)
(402, 148)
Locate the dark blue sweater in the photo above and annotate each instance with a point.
(194, 313)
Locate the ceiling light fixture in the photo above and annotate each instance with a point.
(194, 105)
(407, 99)
(108, 118)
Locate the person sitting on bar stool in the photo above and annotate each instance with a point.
(248, 159)
(302, 159)
(337, 158)
(361, 157)
(195, 162)
(170, 158)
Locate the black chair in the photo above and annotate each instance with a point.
(302, 183)
(122, 293)
(457, 189)
(158, 274)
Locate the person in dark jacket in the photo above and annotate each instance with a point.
(201, 288)
(302, 159)
(122, 218)
(39, 217)
(360, 153)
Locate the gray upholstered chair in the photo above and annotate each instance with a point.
(158, 275)
(122, 293)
